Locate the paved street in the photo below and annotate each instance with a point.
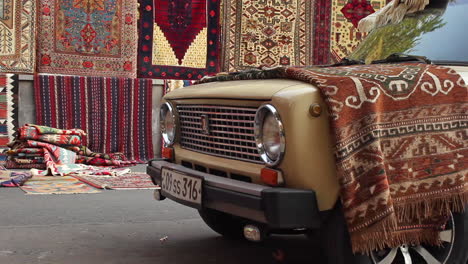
(123, 227)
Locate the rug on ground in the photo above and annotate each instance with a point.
(400, 146)
(179, 39)
(90, 38)
(18, 36)
(130, 181)
(56, 185)
(116, 113)
(8, 111)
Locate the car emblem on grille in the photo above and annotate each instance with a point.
(205, 124)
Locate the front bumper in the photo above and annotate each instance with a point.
(278, 208)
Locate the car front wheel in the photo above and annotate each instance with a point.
(454, 248)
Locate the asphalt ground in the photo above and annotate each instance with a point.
(125, 227)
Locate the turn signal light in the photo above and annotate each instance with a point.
(271, 177)
(167, 153)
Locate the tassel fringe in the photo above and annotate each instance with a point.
(385, 233)
(368, 243)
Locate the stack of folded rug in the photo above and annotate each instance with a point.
(51, 149)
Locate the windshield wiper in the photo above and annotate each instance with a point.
(399, 57)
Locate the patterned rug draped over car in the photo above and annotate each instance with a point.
(116, 113)
(401, 146)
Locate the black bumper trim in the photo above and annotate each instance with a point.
(282, 208)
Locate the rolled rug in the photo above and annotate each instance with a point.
(394, 12)
(16, 179)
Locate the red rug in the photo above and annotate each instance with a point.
(115, 112)
(8, 112)
(129, 181)
(88, 38)
(179, 39)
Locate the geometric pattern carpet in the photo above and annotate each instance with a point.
(88, 37)
(18, 36)
(56, 185)
(130, 181)
(179, 39)
(8, 111)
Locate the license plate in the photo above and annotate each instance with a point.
(184, 188)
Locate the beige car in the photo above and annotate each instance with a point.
(255, 157)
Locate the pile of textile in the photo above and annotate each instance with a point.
(55, 150)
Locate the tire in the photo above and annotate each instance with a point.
(334, 239)
(460, 248)
(457, 253)
(337, 248)
(224, 224)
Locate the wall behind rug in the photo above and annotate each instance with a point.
(89, 38)
(17, 36)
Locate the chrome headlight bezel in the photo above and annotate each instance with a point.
(165, 108)
(260, 116)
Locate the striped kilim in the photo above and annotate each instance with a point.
(8, 111)
(115, 112)
(401, 146)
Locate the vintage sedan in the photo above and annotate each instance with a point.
(255, 157)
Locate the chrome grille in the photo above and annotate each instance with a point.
(231, 131)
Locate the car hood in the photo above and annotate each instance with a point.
(250, 90)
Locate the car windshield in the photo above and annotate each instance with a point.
(439, 32)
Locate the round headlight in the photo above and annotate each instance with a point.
(269, 135)
(167, 124)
